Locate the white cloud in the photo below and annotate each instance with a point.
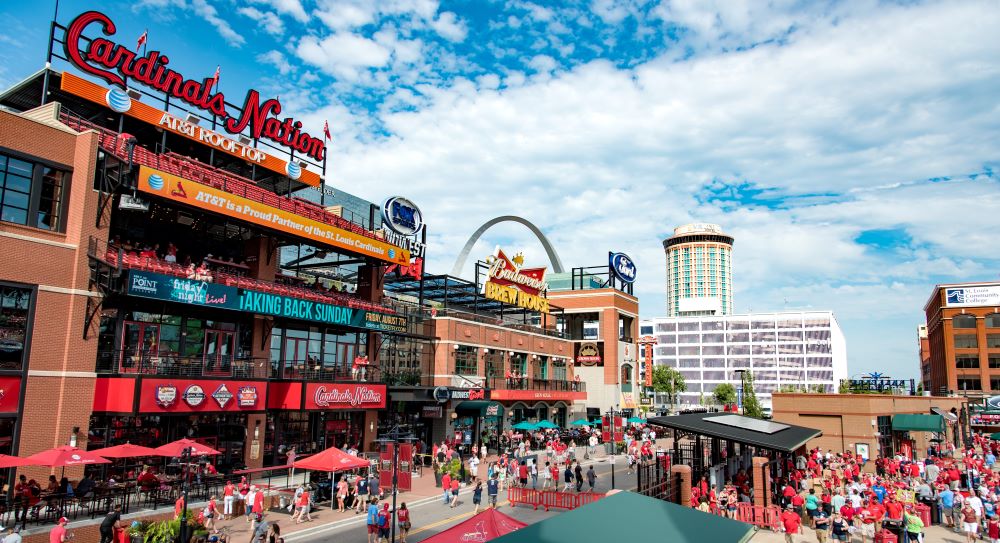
(450, 27)
(292, 8)
(342, 55)
(277, 60)
(208, 12)
(270, 22)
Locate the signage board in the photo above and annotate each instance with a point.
(468, 394)
(192, 193)
(10, 394)
(588, 354)
(878, 382)
(972, 296)
(118, 65)
(402, 216)
(509, 283)
(622, 267)
(263, 303)
(186, 291)
(132, 203)
(200, 396)
(432, 412)
(345, 396)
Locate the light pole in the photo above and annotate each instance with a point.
(614, 443)
(394, 437)
(185, 460)
(743, 391)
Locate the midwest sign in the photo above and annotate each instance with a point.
(509, 283)
(117, 64)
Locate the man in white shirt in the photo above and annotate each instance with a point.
(976, 503)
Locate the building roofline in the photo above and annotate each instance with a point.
(937, 288)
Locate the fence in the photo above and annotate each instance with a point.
(655, 480)
(549, 499)
(762, 517)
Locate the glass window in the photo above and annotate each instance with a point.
(995, 360)
(963, 321)
(969, 383)
(992, 341)
(967, 341)
(23, 182)
(994, 383)
(967, 361)
(15, 304)
(993, 321)
(466, 360)
(689, 350)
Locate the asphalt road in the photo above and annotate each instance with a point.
(430, 516)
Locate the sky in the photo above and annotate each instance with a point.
(851, 148)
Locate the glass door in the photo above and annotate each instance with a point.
(296, 352)
(218, 352)
(140, 346)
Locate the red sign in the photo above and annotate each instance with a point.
(113, 395)
(342, 396)
(197, 396)
(404, 471)
(115, 63)
(606, 429)
(507, 272)
(414, 269)
(523, 395)
(10, 394)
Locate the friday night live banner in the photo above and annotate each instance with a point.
(186, 291)
(192, 193)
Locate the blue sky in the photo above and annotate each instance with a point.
(850, 147)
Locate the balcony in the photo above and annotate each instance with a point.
(316, 370)
(494, 320)
(188, 168)
(161, 362)
(528, 383)
(119, 258)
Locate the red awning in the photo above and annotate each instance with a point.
(332, 459)
(486, 526)
(175, 449)
(127, 450)
(65, 456)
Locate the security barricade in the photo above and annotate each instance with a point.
(549, 499)
(761, 517)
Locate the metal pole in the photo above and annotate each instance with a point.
(395, 481)
(185, 458)
(614, 446)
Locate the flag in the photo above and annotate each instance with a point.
(142, 39)
(326, 130)
(215, 78)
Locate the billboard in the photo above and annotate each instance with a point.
(972, 296)
(178, 289)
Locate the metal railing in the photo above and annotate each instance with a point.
(492, 319)
(315, 370)
(528, 383)
(162, 362)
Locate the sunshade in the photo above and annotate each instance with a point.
(65, 456)
(7, 461)
(917, 423)
(330, 460)
(524, 426)
(601, 521)
(488, 525)
(995, 436)
(581, 422)
(546, 425)
(636, 420)
(175, 449)
(127, 450)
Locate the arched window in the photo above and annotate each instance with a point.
(993, 321)
(626, 373)
(963, 321)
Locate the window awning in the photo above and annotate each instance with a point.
(479, 408)
(950, 417)
(917, 423)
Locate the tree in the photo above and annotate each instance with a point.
(751, 405)
(725, 394)
(668, 381)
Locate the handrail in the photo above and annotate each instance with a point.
(157, 361)
(189, 168)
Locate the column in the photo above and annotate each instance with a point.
(761, 482)
(684, 471)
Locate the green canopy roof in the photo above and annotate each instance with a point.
(581, 422)
(545, 424)
(664, 520)
(995, 436)
(524, 426)
(918, 423)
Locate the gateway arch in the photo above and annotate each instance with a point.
(557, 266)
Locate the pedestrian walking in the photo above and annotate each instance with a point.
(403, 520)
(302, 507)
(791, 523)
(533, 467)
(547, 477)
(492, 489)
(228, 498)
(112, 521)
(446, 486)
(477, 496)
(211, 511)
(371, 520)
(567, 479)
(591, 478)
(578, 473)
(454, 492)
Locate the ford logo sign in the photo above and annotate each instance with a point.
(623, 267)
(402, 216)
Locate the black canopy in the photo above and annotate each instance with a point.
(739, 429)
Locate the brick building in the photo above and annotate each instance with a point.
(963, 340)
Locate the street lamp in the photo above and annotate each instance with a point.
(394, 437)
(743, 390)
(185, 460)
(614, 443)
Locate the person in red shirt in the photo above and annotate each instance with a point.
(797, 502)
(178, 506)
(791, 523)
(58, 534)
(867, 517)
(893, 509)
(878, 513)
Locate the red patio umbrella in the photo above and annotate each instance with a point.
(332, 459)
(175, 449)
(66, 456)
(486, 526)
(7, 461)
(127, 450)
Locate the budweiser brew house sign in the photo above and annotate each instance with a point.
(335, 396)
(509, 283)
(118, 65)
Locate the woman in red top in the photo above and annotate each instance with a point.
(211, 510)
(303, 507)
(403, 518)
(228, 497)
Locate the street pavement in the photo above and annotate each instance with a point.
(430, 516)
